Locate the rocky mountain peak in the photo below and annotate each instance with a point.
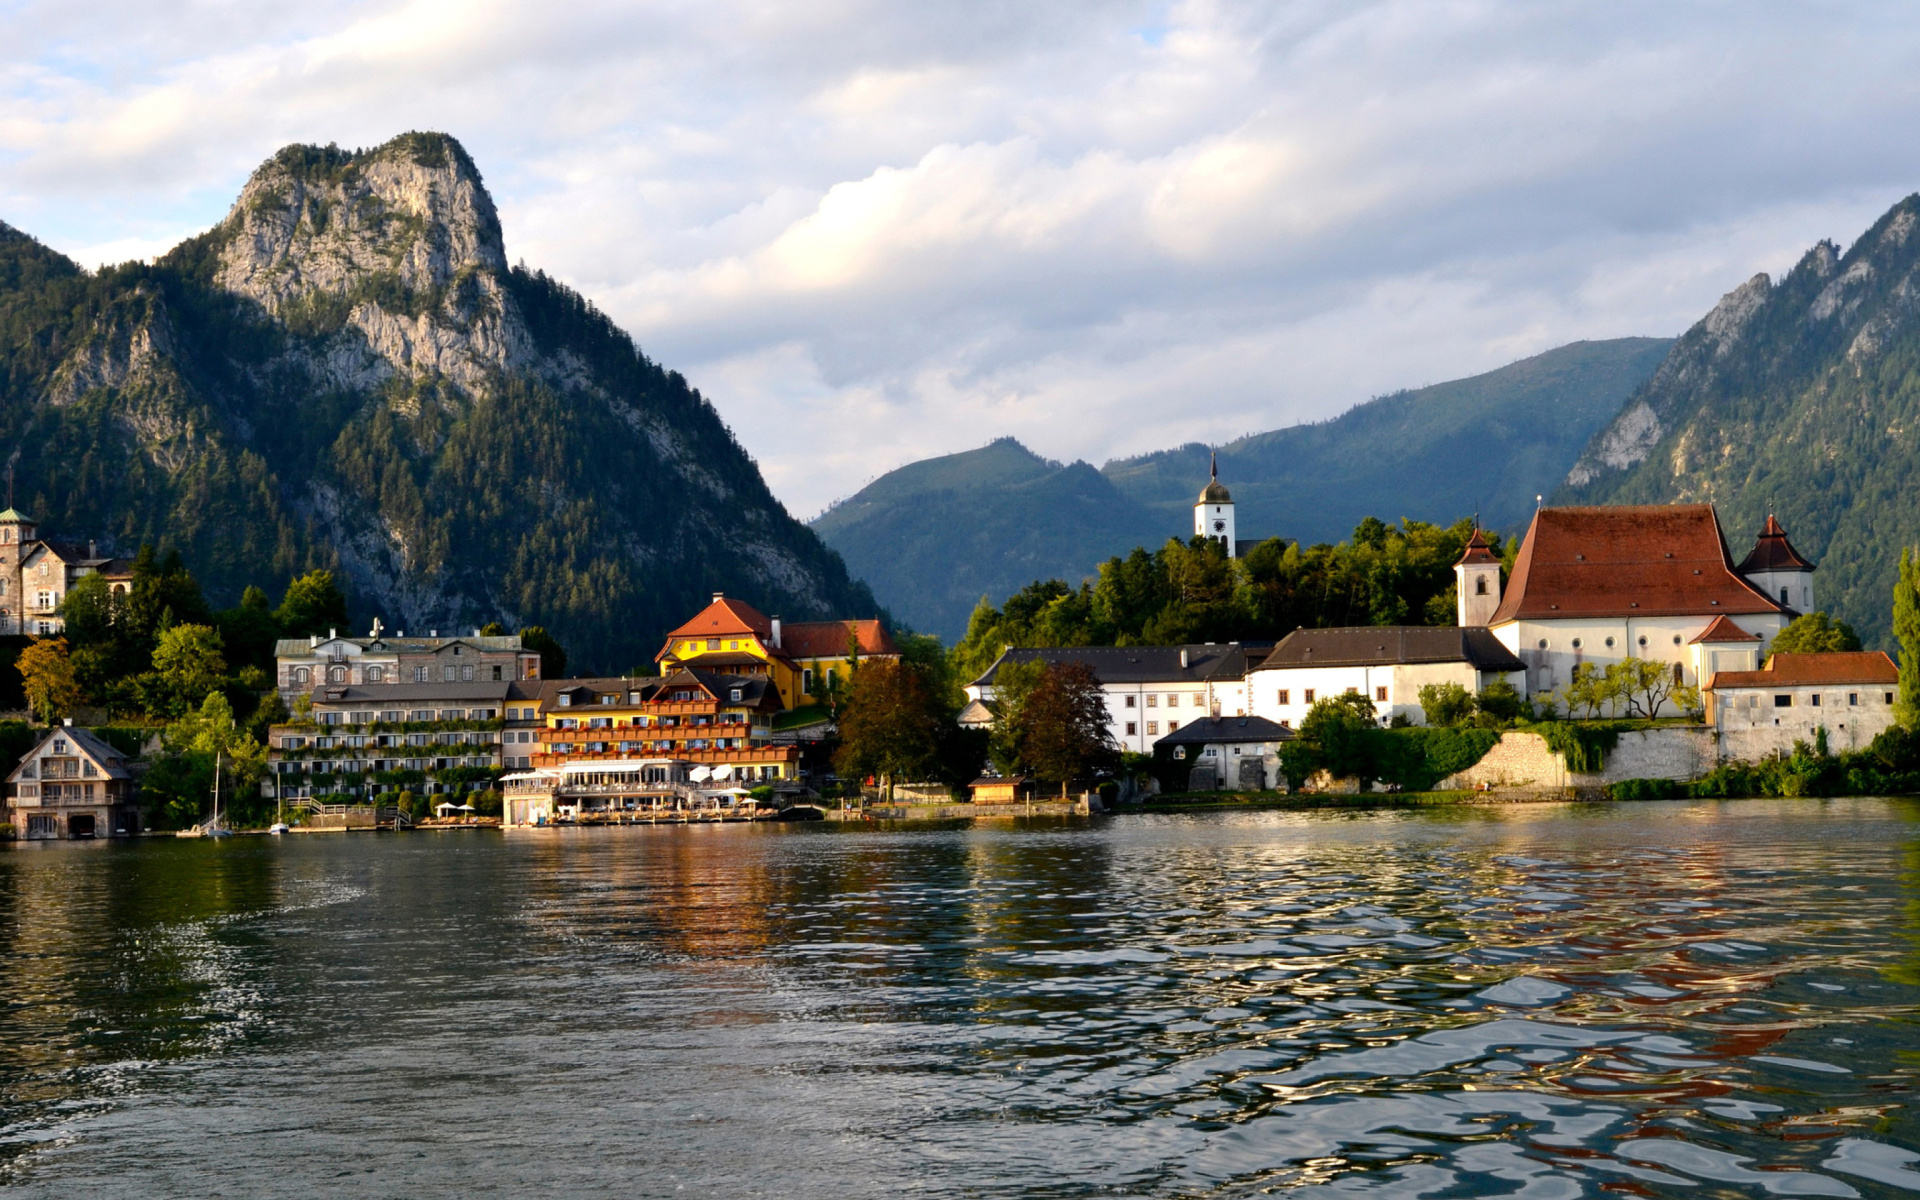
(399, 244)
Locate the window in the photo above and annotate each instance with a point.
(1676, 639)
(1816, 699)
(449, 673)
(565, 700)
(60, 746)
(302, 675)
(734, 695)
(1153, 727)
(336, 674)
(1889, 697)
(332, 718)
(1643, 639)
(1199, 701)
(421, 714)
(1576, 643)
(466, 673)
(1212, 751)
(1286, 724)
(1129, 702)
(1853, 698)
(1284, 696)
(1783, 701)
(419, 674)
(376, 674)
(1153, 700)
(1133, 727)
(713, 643)
(1380, 694)
(1308, 695)
(392, 714)
(806, 680)
(1480, 585)
(1172, 725)
(1353, 691)
(45, 598)
(1753, 702)
(1609, 643)
(1783, 595)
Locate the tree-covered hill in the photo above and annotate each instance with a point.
(1800, 397)
(345, 373)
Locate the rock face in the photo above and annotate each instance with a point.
(1796, 397)
(346, 373)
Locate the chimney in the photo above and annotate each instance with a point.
(476, 633)
(1183, 658)
(313, 641)
(332, 633)
(66, 720)
(92, 551)
(719, 596)
(433, 633)
(776, 633)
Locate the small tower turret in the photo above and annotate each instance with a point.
(1476, 581)
(1213, 512)
(1777, 570)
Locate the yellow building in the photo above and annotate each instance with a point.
(800, 658)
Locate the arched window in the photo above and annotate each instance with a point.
(336, 674)
(302, 675)
(376, 674)
(1783, 595)
(1480, 586)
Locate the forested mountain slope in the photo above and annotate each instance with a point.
(1488, 444)
(1801, 397)
(937, 535)
(346, 373)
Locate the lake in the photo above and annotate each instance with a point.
(1685, 999)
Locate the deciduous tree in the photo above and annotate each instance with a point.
(1064, 733)
(891, 725)
(1906, 627)
(1815, 633)
(46, 672)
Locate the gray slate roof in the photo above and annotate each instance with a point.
(1138, 664)
(1380, 645)
(1207, 731)
(111, 762)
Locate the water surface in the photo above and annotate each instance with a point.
(1657, 1000)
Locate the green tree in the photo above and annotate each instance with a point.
(46, 672)
(313, 604)
(1815, 633)
(553, 658)
(1013, 684)
(891, 725)
(1445, 703)
(249, 631)
(161, 594)
(188, 663)
(1342, 732)
(1906, 627)
(1501, 701)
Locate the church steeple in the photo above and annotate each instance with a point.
(1213, 512)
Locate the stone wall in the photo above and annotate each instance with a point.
(1524, 762)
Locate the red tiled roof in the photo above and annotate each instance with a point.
(1626, 560)
(1723, 630)
(1853, 666)
(1478, 551)
(725, 617)
(1773, 552)
(828, 639)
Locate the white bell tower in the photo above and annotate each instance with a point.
(1476, 580)
(1213, 512)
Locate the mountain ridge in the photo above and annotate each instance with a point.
(345, 373)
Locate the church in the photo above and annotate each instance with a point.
(1601, 585)
(1213, 514)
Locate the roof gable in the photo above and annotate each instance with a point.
(1773, 552)
(1210, 730)
(725, 617)
(1626, 560)
(80, 743)
(1723, 630)
(828, 639)
(1842, 667)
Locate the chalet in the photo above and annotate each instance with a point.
(1150, 690)
(1601, 585)
(72, 785)
(1761, 713)
(1388, 664)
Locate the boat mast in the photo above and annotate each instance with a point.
(216, 790)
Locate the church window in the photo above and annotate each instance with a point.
(806, 680)
(1129, 702)
(1543, 643)
(1153, 727)
(1783, 595)
(1609, 643)
(1676, 639)
(1853, 698)
(1132, 728)
(1199, 701)
(1480, 585)
(1643, 639)
(1783, 701)
(1576, 643)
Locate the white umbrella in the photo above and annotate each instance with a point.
(698, 774)
(443, 806)
(723, 771)
(465, 808)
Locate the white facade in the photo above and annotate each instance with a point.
(1789, 586)
(1476, 582)
(1215, 523)
(1551, 649)
(1284, 694)
(1141, 711)
(1755, 722)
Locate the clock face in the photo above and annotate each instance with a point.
(1219, 526)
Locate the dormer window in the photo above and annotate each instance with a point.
(565, 700)
(736, 695)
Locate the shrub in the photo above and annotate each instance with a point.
(1646, 789)
(1445, 703)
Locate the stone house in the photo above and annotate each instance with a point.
(362, 732)
(36, 574)
(1388, 664)
(1762, 713)
(381, 661)
(72, 785)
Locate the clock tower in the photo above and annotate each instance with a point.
(1213, 512)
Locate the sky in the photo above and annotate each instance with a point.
(873, 233)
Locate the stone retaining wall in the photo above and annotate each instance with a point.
(1524, 762)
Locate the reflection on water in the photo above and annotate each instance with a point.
(1682, 999)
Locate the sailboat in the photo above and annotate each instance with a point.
(279, 813)
(211, 828)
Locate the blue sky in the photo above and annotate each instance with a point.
(877, 232)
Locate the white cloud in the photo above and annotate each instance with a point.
(875, 232)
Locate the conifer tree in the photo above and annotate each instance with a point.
(1906, 627)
